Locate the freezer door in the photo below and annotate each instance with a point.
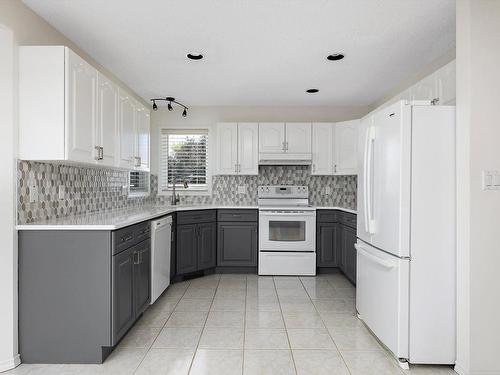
(382, 296)
(362, 221)
(386, 181)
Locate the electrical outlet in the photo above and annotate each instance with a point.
(242, 189)
(328, 190)
(33, 193)
(61, 192)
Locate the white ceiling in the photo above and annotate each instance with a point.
(258, 52)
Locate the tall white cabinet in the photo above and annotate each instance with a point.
(237, 149)
(334, 148)
(71, 112)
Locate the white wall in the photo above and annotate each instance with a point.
(208, 116)
(478, 224)
(8, 249)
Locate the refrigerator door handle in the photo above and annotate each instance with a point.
(384, 263)
(365, 173)
(370, 223)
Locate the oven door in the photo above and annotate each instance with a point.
(287, 230)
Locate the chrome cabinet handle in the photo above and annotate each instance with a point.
(335, 168)
(283, 147)
(314, 167)
(97, 153)
(101, 153)
(286, 146)
(236, 168)
(135, 257)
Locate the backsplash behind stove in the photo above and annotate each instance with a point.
(92, 189)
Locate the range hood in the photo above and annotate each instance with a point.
(285, 159)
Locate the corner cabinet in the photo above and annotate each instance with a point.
(196, 247)
(237, 149)
(72, 112)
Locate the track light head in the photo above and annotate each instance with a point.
(169, 106)
(184, 113)
(155, 107)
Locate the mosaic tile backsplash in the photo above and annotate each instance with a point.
(92, 189)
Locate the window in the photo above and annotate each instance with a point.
(138, 183)
(184, 157)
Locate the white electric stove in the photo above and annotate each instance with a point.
(287, 231)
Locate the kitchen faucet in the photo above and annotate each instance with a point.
(175, 198)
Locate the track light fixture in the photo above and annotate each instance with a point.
(170, 100)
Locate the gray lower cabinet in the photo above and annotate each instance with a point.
(80, 291)
(237, 238)
(196, 247)
(131, 287)
(123, 293)
(335, 239)
(237, 244)
(328, 245)
(349, 252)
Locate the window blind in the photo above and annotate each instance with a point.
(138, 182)
(184, 156)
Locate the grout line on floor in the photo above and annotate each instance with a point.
(327, 330)
(161, 329)
(284, 323)
(203, 328)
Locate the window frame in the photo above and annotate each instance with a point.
(191, 190)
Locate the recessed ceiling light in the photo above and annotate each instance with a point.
(194, 56)
(312, 91)
(335, 57)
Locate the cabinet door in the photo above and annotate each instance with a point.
(123, 293)
(142, 137)
(207, 245)
(248, 148)
(271, 137)
(107, 119)
(322, 149)
(227, 148)
(237, 244)
(142, 277)
(82, 109)
(327, 245)
(346, 146)
(187, 244)
(298, 137)
(127, 130)
(348, 241)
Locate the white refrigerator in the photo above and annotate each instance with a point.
(405, 290)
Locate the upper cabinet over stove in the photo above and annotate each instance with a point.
(69, 111)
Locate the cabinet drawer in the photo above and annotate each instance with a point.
(123, 239)
(348, 219)
(327, 216)
(142, 231)
(237, 215)
(195, 217)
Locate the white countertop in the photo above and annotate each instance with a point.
(116, 219)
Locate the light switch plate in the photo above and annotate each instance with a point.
(33, 193)
(242, 189)
(490, 180)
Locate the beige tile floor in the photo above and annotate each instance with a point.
(245, 324)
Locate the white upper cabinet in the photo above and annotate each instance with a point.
(322, 149)
(227, 148)
(107, 120)
(127, 115)
(271, 137)
(142, 138)
(248, 148)
(345, 148)
(237, 149)
(298, 137)
(82, 109)
(71, 112)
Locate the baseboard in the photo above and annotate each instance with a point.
(11, 363)
(461, 371)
